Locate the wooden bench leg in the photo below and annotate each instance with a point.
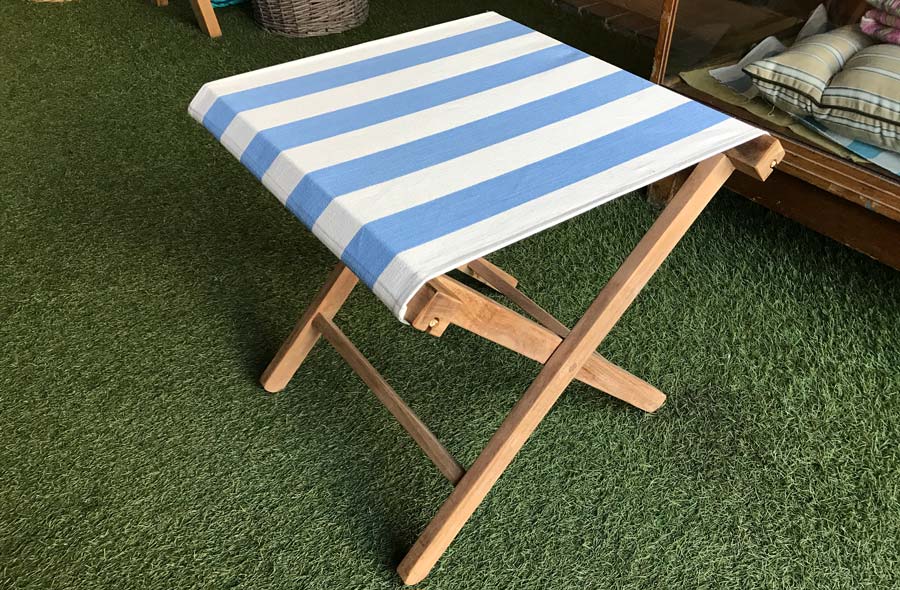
(564, 365)
(206, 17)
(305, 335)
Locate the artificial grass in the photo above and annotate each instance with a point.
(147, 279)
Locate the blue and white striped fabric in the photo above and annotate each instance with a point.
(883, 158)
(412, 155)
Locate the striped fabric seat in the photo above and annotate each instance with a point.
(411, 155)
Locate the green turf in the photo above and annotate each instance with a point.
(147, 279)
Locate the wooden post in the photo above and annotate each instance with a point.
(662, 191)
(305, 335)
(206, 17)
(664, 40)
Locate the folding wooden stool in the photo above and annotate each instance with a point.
(415, 155)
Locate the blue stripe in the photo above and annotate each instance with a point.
(225, 108)
(316, 190)
(378, 243)
(266, 145)
(865, 150)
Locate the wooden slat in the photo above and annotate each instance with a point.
(872, 191)
(563, 366)
(504, 277)
(542, 316)
(443, 460)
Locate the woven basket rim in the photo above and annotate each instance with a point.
(309, 18)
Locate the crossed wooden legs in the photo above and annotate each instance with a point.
(563, 366)
(566, 355)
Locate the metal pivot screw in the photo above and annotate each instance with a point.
(433, 323)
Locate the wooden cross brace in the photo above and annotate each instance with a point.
(566, 355)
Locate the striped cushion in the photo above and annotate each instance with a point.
(882, 18)
(883, 28)
(888, 6)
(795, 80)
(411, 155)
(863, 101)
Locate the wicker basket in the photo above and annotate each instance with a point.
(309, 18)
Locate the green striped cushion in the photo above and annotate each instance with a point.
(863, 101)
(795, 80)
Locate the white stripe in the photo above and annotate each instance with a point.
(413, 268)
(290, 166)
(317, 63)
(248, 123)
(342, 219)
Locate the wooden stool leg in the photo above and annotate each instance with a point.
(563, 366)
(206, 17)
(305, 335)
(499, 279)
